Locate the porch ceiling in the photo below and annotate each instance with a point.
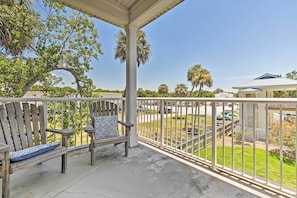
(123, 12)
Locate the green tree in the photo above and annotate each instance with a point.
(292, 75)
(163, 90)
(218, 90)
(150, 93)
(199, 76)
(66, 40)
(17, 32)
(143, 48)
(181, 90)
(288, 133)
(140, 92)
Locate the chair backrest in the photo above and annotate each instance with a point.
(103, 108)
(22, 125)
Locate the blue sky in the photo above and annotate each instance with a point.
(236, 41)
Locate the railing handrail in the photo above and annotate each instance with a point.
(253, 100)
(55, 99)
(230, 100)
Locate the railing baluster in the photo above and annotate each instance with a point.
(296, 150)
(242, 139)
(254, 141)
(214, 135)
(224, 129)
(199, 127)
(281, 147)
(205, 132)
(186, 126)
(180, 131)
(193, 129)
(267, 143)
(162, 122)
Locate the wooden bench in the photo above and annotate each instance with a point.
(23, 140)
(107, 111)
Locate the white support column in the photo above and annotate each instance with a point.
(131, 73)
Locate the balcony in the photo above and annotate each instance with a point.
(144, 173)
(185, 150)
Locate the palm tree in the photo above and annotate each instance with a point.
(181, 90)
(199, 76)
(143, 48)
(163, 90)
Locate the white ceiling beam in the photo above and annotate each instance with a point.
(120, 13)
(143, 12)
(102, 9)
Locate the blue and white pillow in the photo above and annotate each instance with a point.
(106, 126)
(31, 151)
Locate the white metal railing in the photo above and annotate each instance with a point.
(245, 137)
(253, 139)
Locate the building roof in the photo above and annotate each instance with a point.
(249, 90)
(123, 12)
(269, 81)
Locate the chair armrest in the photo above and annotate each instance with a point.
(89, 129)
(127, 124)
(4, 147)
(62, 131)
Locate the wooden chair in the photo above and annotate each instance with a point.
(23, 140)
(104, 127)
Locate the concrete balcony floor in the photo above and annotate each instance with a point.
(144, 173)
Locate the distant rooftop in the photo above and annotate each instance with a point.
(269, 81)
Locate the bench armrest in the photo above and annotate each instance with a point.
(4, 147)
(62, 131)
(65, 135)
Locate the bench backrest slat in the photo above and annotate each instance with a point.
(35, 124)
(42, 126)
(28, 123)
(6, 131)
(11, 114)
(20, 124)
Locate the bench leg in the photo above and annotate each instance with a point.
(64, 163)
(92, 153)
(6, 175)
(126, 148)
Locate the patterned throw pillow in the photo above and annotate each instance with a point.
(31, 151)
(106, 126)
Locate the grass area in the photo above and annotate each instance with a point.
(289, 166)
(175, 124)
(174, 129)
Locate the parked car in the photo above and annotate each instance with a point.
(227, 115)
(220, 117)
(166, 110)
(141, 109)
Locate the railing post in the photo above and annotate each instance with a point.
(162, 122)
(214, 135)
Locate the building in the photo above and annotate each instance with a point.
(264, 87)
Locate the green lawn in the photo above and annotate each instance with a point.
(289, 166)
